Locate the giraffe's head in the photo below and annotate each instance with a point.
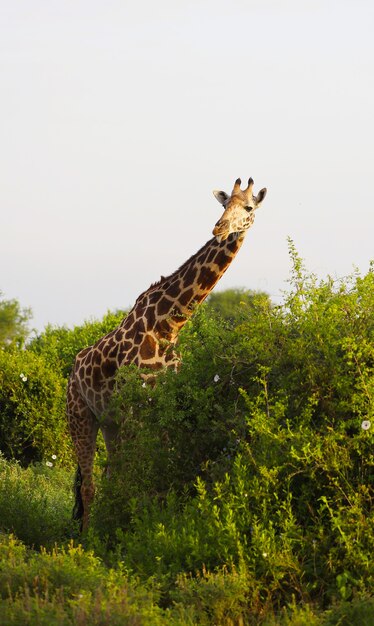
(239, 211)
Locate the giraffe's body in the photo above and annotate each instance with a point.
(147, 336)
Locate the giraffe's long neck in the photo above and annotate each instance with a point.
(199, 275)
(166, 306)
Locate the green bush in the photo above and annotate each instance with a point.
(359, 611)
(214, 598)
(33, 391)
(183, 426)
(312, 548)
(13, 323)
(232, 305)
(242, 489)
(32, 408)
(69, 586)
(256, 455)
(60, 345)
(311, 358)
(36, 503)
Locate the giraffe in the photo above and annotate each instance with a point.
(147, 336)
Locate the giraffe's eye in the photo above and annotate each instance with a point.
(248, 208)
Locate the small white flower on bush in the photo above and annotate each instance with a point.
(264, 554)
(144, 384)
(216, 378)
(54, 457)
(365, 425)
(49, 464)
(23, 377)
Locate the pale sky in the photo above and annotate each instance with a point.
(118, 119)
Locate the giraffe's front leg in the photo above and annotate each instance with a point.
(83, 429)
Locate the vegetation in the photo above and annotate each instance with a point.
(13, 323)
(59, 345)
(242, 491)
(32, 400)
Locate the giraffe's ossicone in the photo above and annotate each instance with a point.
(147, 335)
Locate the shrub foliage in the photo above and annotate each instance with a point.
(258, 455)
(32, 400)
(244, 484)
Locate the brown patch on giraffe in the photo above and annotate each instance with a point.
(190, 276)
(138, 331)
(109, 368)
(96, 377)
(121, 357)
(96, 358)
(201, 259)
(106, 350)
(113, 354)
(130, 319)
(150, 317)
(233, 245)
(119, 334)
(100, 345)
(154, 297)
(84, 382)
(185, 297)
(148, 348)
(174, 289)
(162, 328)
(164, 306)
(84, 352)
(211, 256)
(138, 338)
(132, 354)
(88, 358)
(206, 278)
(140, 326)
(222, 259)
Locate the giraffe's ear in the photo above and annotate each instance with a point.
(260, 196)
(221, 196)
